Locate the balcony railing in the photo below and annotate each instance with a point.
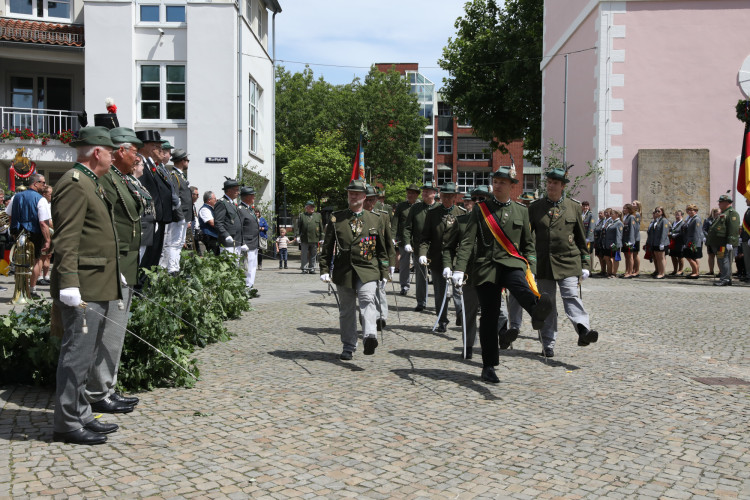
(39, 121)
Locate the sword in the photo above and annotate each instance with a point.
(580, 289)
(442, 306)
(140, 294)
(335, 295)
(398, 312)
(460, 291)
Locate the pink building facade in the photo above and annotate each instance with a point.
(644, 74)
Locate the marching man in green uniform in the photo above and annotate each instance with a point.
(370, 204)
(309, 235)
(355, 257)
(412, 238)
(723, 235)
(228, 220)
(86, 269)
(431, 247)
(562, 258)
(499, 233)
(398, 225)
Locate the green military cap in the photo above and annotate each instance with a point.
(310, 203)
(480, 191)
(506, 173)
(230, 183)
(527, 196)
(558, 174)
(166, 145)
(449, 188)
(429, 185)
(413, 187)
(179, 155)
(246, 190)
(370, 191)
(725, 197)
(121, 135)
(356, 185)
(93, 136)
(467, 197)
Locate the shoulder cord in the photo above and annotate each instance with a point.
(121, 197)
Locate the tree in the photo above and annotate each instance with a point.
(495, 80)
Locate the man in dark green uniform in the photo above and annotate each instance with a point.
(360, 261)
(723, 236)
(562, 258)
(398, 224)
(86, 269)
(500, 234)
(309, 235)
(412, 238)
(431, 248)
(227, 219)
(370, 204)
(126, 208)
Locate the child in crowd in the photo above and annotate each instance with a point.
(281, 247)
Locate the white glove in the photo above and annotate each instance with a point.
(123, 280)
(408, 248)
(320, 242)
(383, 282)
(229, 240)
(458, 278)
(299, 240)
(729, 248)
(423, 260)
(661, 248)
(447, 273)
(585, 274)
(325, 278)
(391, 270)
(70, 296)
(244, 248)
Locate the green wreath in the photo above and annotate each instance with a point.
(743, 111)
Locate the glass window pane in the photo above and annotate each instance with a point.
(176, 110)
(20, 6)
(175, 91)
(175, 73)
(149, 92)
(150, 110)
(58, 9)
(175, 13)
(149, 73)
(150, 13)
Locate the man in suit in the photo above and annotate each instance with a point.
(309, 235)
(381, 299)
(500, 234)
(412, 238)
(431, 247)
(86, 269)
(398, 224)
(562, 258)
(723, 236)
(227, 220)
(359, 263)
(250, 234)
(126, 208)
(174, 236)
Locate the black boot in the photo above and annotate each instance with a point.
(488, 375)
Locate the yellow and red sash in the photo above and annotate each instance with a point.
(508, 245)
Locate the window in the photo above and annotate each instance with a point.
(255, 93)
(445, 145)
(425, 146)
(56, 9)
(473, 148)
(149, 13)
(155, 12)
(531, 181)
(444, 176)
(469, 180)
(175, 13)
(260, 20)
(444, 109)
(162, 92)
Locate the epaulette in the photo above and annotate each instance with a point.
(462, 208)
(76, 176)
(519, 203)
(375, 212)
(573, 199)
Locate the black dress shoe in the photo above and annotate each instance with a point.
(469, 354)
(101, 427)
(488, 375)
(540, 312)
(132, 401)
(459, 321)
(548, 352)
(345, 356)
(441, 328)
(81, 436)
(419, 308)
(370, 344)
(507, 337)
(107, 405)
(403, 292)
(718, 283)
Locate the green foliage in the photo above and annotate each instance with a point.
(554, 159)
(395, 191)
(743, 111)
(28, 355)
(495, 80)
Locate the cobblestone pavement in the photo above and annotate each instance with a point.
(277, 415)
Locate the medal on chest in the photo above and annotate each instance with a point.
(356, 226)
(367, 247)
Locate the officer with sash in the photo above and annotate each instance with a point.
(370, 204)
(500, 234)
(354, 257)
(562, 258)
(431, 247)
(723, 236)
(412, 238)
(398, 224)
(227, 220)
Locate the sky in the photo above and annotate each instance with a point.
(358, 33)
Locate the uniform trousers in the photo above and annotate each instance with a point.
(471, 309)
(150, 255)
(404, 267)
(571, 302)
(103, 374)
(515, 312)
(746, 256)
(725, 265)
(439, 285)
(365, 294)
(309, 254)
(174, 239)
(78, 353)
(249, 264)
(381, 301)
(490, 298)
(420, 277)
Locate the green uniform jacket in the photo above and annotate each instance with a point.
(431, 241)
(725, 230)
(127, 215)
(385, 224)
(398, 223)
(415, 223)
(228, 221)
(514, 220)
(364, 254)
(560, 240)
(452, 240)
(85, 241)
(310, 227)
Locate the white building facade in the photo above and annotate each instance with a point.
(198, 71)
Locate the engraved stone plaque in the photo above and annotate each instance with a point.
(673, 178)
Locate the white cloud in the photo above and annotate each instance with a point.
(363, 32)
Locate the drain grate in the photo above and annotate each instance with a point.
(725, 381)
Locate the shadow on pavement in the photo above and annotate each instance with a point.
(327, 357)
(536, 356)
(439, 355)
(461, 378)
(424, 329)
